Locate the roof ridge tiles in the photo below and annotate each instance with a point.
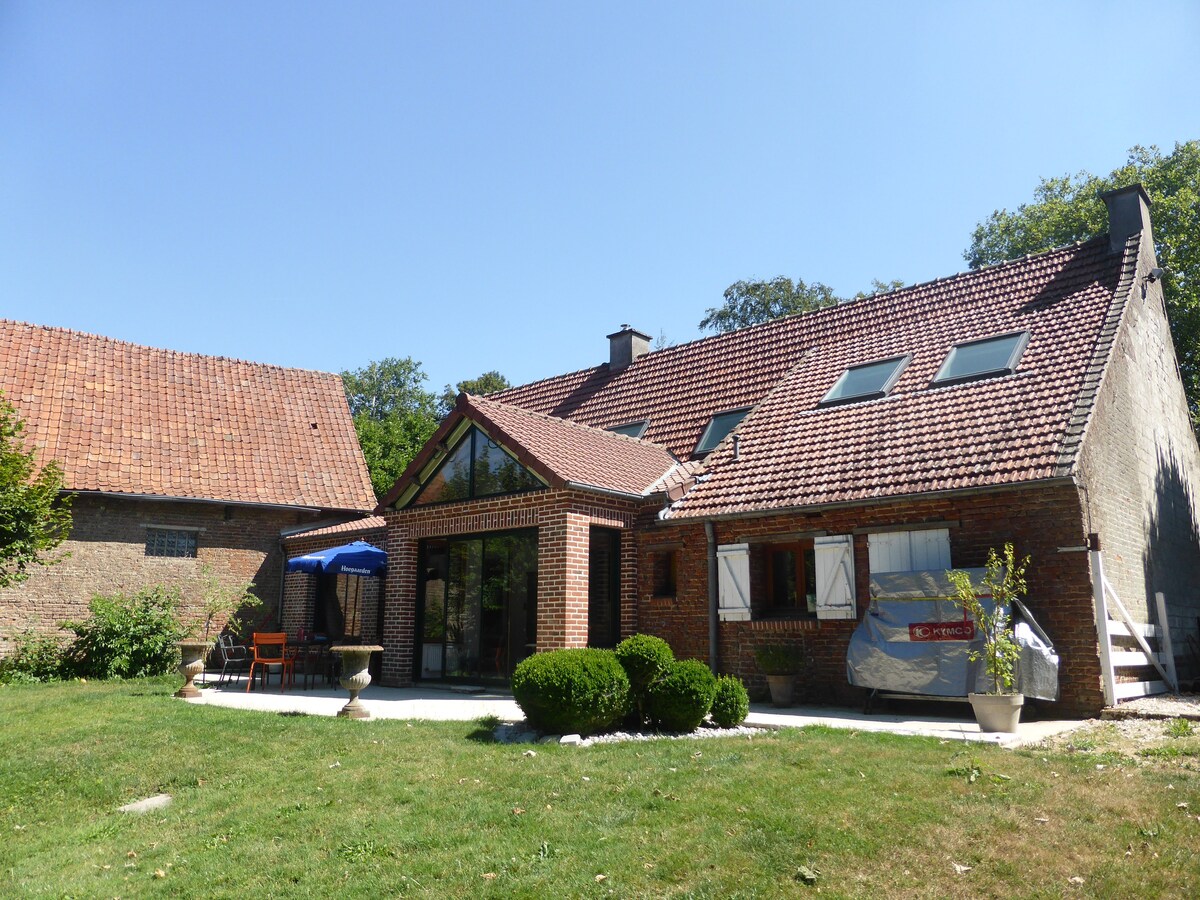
(533, 413)
(74, 332)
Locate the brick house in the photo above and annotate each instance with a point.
(178, 462)
(743, 489)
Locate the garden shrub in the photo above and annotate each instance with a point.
(36, 657)
(680, 699)
(129, 636)
(731, 703)
(644, 658)
(582, 691)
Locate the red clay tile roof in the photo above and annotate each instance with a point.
(128, 419)
(354, 526)
(793, 453)
(572, 453)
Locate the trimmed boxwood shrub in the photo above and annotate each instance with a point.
(645, 658)
(580, 691)
(731, 704)
(680, 699)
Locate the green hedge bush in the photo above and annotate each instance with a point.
(581, 691)
(35, 657)
(680, 699)
(645, 659)
(731, 704)
(128, 636)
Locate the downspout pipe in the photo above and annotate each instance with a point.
(710, 532)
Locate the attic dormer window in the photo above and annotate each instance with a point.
(631, 429)
(719, 426)
(868, 381)
(986, 358)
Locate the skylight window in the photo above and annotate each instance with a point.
(866, 382)
(983, 359)
(718, 426)
(631, 429)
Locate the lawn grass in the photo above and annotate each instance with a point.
(271, 805)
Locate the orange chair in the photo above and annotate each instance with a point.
(271, 649)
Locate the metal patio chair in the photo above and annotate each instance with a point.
(234, 658)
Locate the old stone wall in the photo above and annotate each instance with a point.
(107, 554)
(1140, 466)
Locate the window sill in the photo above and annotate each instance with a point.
(778, 624)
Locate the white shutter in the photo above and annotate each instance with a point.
(835, 577)
(927, 550)
(930, 550)
(733, 579)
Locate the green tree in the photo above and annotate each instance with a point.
(751, 302)
(487, 383)
(394, 415)
(35, 516)
(1068, 209)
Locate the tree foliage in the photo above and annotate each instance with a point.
(394, 415)
(34, 516)
(1068, 209)
(751, 302)
(487, 383)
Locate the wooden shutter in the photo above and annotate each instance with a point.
(733, 579)
(927, 550)
(835, 577)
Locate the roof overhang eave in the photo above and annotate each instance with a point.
(215, 502)
(608, 492)
(1055, 481)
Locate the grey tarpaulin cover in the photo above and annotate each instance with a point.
(915, 640)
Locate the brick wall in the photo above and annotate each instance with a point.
(1141, 467)
(1038, 519)
(563, 519)
(107, 550)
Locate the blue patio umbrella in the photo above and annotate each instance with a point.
(359, 558)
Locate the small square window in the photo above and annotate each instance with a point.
(665, 569)
(719, 426)
(631, 429)
(986, 358)
(868, 381)
(170, 542)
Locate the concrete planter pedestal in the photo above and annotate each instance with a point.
(356, 658)
(192, 655)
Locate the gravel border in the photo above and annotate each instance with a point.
(1161, 706)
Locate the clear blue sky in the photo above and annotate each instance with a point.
(500, 185)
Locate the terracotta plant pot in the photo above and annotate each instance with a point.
(997, 712)
(783, 689)
(191, 664)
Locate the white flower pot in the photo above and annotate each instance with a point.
(997, 712)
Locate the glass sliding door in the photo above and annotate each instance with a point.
(477, 599)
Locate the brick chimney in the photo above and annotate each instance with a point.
(625, 346)
(1128, 213)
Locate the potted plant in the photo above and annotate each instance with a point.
(781, 663)
(1004, 580)
(218, 602)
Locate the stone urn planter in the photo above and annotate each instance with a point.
(997, 712)
(355, 677)
(191, 664)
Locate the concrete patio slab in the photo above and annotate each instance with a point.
(467, 704)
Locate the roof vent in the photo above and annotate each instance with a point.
(1128, 213)
(625, 346)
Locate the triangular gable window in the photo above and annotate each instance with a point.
(476, 467)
